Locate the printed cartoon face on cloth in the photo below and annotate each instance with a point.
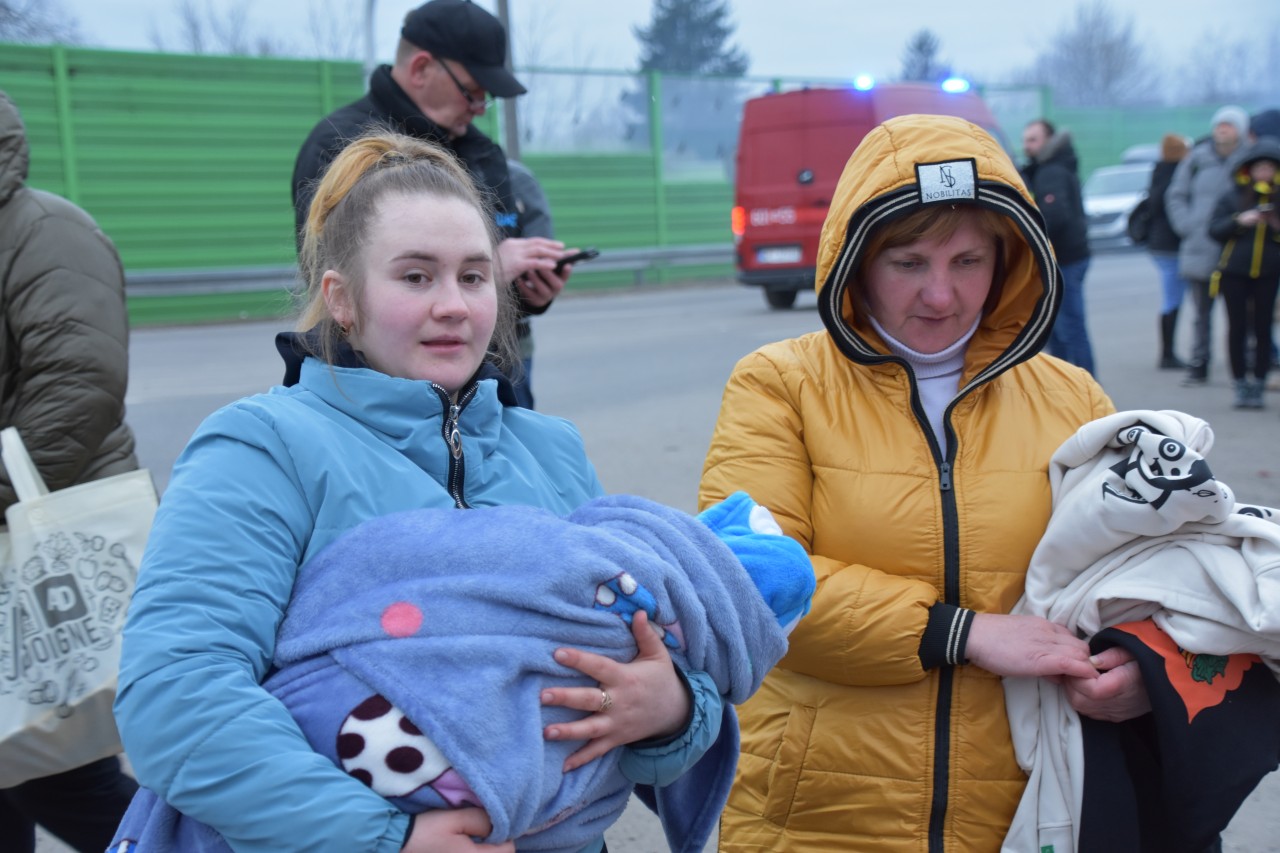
(1160, 468)
(925, 163)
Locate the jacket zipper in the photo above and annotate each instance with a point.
(453, 440)
(1259, 242)
(940, 800)
(946, 675)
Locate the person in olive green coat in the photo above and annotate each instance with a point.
(64, 365)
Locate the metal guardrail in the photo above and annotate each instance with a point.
(641, 262)
(198, 282)
(653, 258)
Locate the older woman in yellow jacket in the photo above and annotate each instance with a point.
(907, 447)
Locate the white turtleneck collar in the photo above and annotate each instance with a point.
(937, 374)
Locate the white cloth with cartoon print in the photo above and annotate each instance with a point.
(1140, 530)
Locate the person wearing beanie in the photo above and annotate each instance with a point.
(449, 65)
(1197, 184)
(1162, 244)
(1246, 222)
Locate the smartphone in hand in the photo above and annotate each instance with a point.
(576, 257)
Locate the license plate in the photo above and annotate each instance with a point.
(778, 255)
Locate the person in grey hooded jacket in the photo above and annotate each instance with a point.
(64, 365)
(1198, 182)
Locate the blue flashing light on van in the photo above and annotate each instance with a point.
(792, 147)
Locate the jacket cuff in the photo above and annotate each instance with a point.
(667, 740)
(408, 831)
(523, 306)
(945, 636)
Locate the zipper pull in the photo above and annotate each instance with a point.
(944, 472)
(455, 436)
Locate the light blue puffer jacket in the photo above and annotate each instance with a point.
(264, 484)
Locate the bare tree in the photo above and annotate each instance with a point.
(1094, 61)
(39, 21)
(534, 25)
(568, 111)
(202, 28)
(1220, 70)
(920, 59)
(336, 29)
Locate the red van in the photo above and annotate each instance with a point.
(792, 148)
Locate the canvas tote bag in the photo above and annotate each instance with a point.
(68, 564)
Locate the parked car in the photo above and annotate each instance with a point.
(1143, 152)
(1110, 196)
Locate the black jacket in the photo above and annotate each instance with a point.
(1160, 234)
(1053, 178)
(1249, 251)
(387, 105)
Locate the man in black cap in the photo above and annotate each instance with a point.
(450, 62)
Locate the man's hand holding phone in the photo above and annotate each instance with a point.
(539, 267)
(575, 258)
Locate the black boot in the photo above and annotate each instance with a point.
(1169, 361)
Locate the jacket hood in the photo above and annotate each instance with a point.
(295, 347)
(903, 165)
(1059, 147)
(14, 155)
(1266, 148)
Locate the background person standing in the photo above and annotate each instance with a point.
(451, 59)
(64, 367)
(1162, 244)
(1052, 176)
(1248, 275)
(1197, 184)
(533, 212)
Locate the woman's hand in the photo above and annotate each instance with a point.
(1118, 694)
(1027, 646)
(451, 831)
(646, 697)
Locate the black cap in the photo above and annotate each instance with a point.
(462, 31)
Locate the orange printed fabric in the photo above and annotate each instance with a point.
(1200, 680)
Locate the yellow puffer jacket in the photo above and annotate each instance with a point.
(852, 744)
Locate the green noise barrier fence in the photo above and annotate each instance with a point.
(185, 161)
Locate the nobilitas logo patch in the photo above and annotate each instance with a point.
(948, 182)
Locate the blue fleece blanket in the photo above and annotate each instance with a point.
(415, 647)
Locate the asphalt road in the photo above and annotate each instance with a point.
(641, 372)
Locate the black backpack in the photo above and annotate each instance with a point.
(1139, 228)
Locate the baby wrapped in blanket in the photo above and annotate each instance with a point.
(415, 648)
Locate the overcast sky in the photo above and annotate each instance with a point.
(826, 38)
